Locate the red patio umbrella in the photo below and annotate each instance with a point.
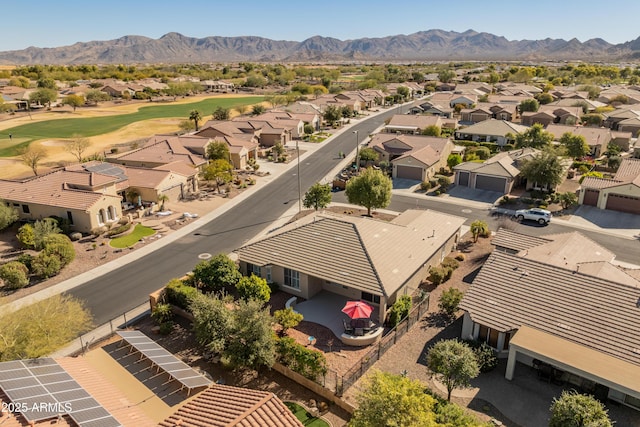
(357, 309)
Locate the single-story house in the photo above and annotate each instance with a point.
(491, 130)
(432, 108)
(549, 114)
(217, 86)
(357, 257)
(500, 173)
(622, 193)
(412, 156)
(161, 150)
(584, 325)
(596, 138)
(623, 119)
(411, 124)
(87, 199)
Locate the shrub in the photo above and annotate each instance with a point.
(399, 310)
(485, 355)
(166, 328)
(254, 287)
(180, 294)
(308, 129)
(63, 224)
(483, 153)
(582, 169)
(216, 274)
(444, 181)
(287, 318)
(42, 229)
(449, 301)
(425, 185)
(162, 313)
(75, 236)
(450, 262)
(307, 362)
(437, 275)
(14, 274)
(119, 230)
(433, 182)
(46, 265)
(59, 245)
(26, 236)
(460, 257)
(26, 259)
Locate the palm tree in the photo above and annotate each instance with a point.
(162, 198)
(479, 228)
(196, 117)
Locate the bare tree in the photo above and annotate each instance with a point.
(32, 156)
(77, 146)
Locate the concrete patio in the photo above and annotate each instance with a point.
(325, 309)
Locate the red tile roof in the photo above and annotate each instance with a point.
(226, 406)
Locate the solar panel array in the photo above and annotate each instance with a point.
(108, 169)
(164, 360)
(41, 389)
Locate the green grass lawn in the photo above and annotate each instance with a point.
(131, 239)
(304, 417)
(91, 126)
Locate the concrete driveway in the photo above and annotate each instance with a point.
(607, 221)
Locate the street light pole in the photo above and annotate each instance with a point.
(299, 184)
(357, 150)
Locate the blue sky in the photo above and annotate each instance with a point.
(47, 23)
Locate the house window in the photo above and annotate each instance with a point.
(70, 217)
(291, 278)
(101, 216)
(268, 273)
(253, 269)
(25, 209)
(109, 214)
(366, 296)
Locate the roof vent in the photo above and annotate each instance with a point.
(638, 303)
(564, 326)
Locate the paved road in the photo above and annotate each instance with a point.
(122, 289)
(626, 250)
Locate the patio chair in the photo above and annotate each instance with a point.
(347, 328)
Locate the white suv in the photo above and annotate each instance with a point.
(541, 216)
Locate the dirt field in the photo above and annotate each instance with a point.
(57, 156)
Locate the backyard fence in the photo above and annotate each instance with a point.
(386, 342)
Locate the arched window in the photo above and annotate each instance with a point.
(101, 216)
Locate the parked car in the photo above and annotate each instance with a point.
(541, 216)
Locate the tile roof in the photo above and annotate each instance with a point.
(628, 173)
(227, 406)
(164, 151)
(511, 291)
(493, 127)
(374, 256)
(515, 241)
(414, 120)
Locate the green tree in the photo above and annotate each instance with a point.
(449, 301)
(318, 196)
(287, 318)
(370, 189)
(454, 160)
(253, 287)
(251, 343)
(162, 198)
(42, 328)
(74, 101)
(218, 150)
(14, 274)
(43, 96)
(529, 105)
(593, 119)
(572, 409)
(576, 145)
(545, 169)
(212, 322)
(221, 113)
(8, 215)
(332, 114)
(309, 129)
(258, 109)
(219, 171)
(95, 96)
(478, 228)
(368, 154)
(453, 363)
(567, 199)
(26, 236)
(47, 83)
(446, 76)
(392, 400)
(544, 98)
(535, 137)
(32, 156)
(77, 146)
(400, 309)
(195, 116)
(403, 91)
(217, 273)
(432, 130)
(594, 174)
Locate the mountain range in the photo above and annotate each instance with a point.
(431, 45)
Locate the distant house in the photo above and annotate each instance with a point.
(581, 327)
(119, 90)
(87, 200)
(622, 193)
(411, 124)
(161, 150)
(485, 111)
(498, 131)
(413, 157)
(624, 120)
(596, 138)
(357, 257)
(550, 114)
(217, 86)
(500, 173)
(431, 108)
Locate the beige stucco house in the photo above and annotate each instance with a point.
(357, 257)
(583, 326)
(622, 193)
